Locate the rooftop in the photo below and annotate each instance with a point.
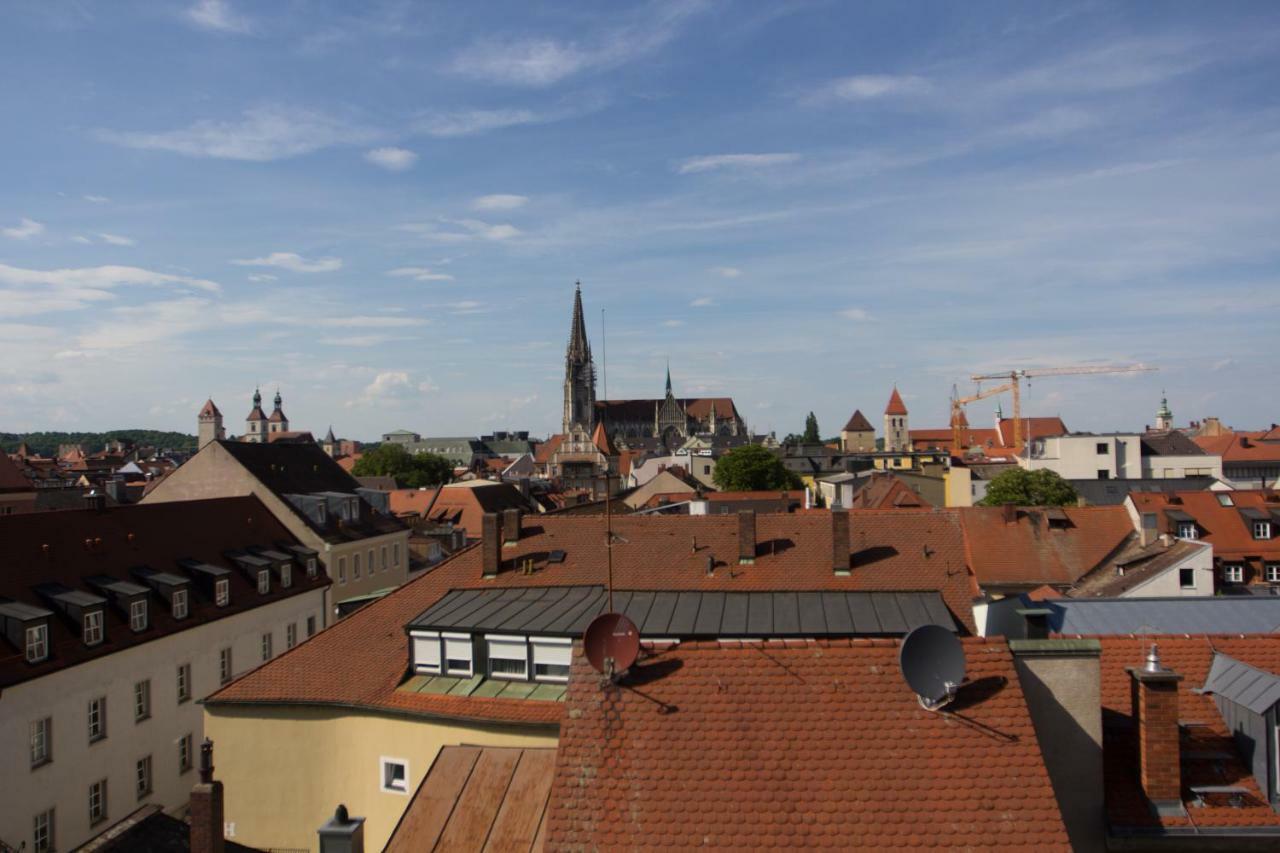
(1042, 545)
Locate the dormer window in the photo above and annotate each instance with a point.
(37, 643)
(286, 575)
(311, 567)
(179, 604)
(1187, 530)
(92, 627)
(551, 658)
(138, 615)
(457, 654)
(353, 509)
(322, 513)
(222, 592)
(1224, 499)
(1233, 573)
(264, 582)
(508, 657)
(1262, 530)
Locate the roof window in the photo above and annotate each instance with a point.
(1224, 499)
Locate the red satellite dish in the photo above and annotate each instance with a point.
(611, 635)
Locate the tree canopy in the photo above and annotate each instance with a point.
(1019, 486)
(811, 434)
(411, 470)
(753, 468)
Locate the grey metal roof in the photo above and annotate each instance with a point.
(1255, 689)
(205, 568)
(116, 586)
(23, 612)
(1183, 615)
(567, 610)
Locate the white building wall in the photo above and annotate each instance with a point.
(1168, 583)
(63, 784)
(1077, 457)
(1169, 467)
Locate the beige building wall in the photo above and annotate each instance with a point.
(858, 442)
(63, 784)
(214, 473)
(286, 768)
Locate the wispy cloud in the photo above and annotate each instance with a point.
(367, 322)
(24, 230)
(866, 87)
(27, 292)
(117, 240)
(217, 15)
(96, 199)
(471, 229)
(499, 201)
(471, 122)
(858, 314)
(711, 162)
(726, 272)
(292, 262)
(261, 277)
(702, 302)
(419, 274)
(392, 159)
(261, 134)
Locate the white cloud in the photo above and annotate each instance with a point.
(135, 326)
(362, 340)
(735, 161)
(392, 159)
(419, 274)
(472, 229)
(262, 134)
(727, 272)
(25, 292)
(367, 322)
(500, 201)
(292, 262)
(80, 238)
(671, 324)
(859, 314)
(25, 230)
(702, 302)
(219, 16)
(467, 306)
(117, 240)
(260, 277)
(96, 199)
(393, 386)
(469, 122)
(864, 87)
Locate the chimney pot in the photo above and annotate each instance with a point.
(746, 536)
(1009, 512)
(1154, 703)
(840, 541)
(206, 808)
(491, 544)
(342, 833)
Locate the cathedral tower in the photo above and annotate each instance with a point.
(210, 425)
(579, 373)
(255, 425)
(896, 434)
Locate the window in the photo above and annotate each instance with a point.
(426, 651)
(42, 741)
(311, 626)
(266, 647)
(551, 658)
(384, 558)
(355, 566)
(457, 654)
(98, 801)
(93, 627)
(264, 582)
(342, 570)
(144, 776)
(394, 775)
(37, 643)
(141, 700)
(1104, 474)
(184, 682)
(290, 635)
(372, 564)
(179, 604)
(1233, 573)
(395, 555)
(97, 719)
(184, 753)
(311, 567)
(1273, 572)
(42, 832)
(222, 592)
(1262, 530)
(138, 614)
(286, 575)
(1224, 499)
(224, 665)
(1187, 578)
(508, 657)
(1188, 530)
(1103, 448)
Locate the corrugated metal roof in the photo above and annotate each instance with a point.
(1255, 689)
(568, 610)
(1216, 615)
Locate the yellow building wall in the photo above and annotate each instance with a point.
(286, 768)
(959, 487)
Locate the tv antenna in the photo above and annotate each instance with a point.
(612, 644)
(932, 663)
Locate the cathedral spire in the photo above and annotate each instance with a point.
(668, 377)
(579, 348)
(579, 372)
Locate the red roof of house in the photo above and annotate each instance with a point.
(858, 423)
(209, 410)
(886, 491)
(1242, 446)
(547, 449)
(1030, 551)
(798, 744)
(600, 438)
(1224, 527)
(896, 406)
(12, 479)
(462, 504)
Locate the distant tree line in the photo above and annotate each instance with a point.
(47, 443)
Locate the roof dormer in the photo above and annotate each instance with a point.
(26, 627)
(128, 597)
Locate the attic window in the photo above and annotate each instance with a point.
(37, 643)
(551, 658)
(179, 604)
(1262, 530)
(1233, 573)
(556, 556)
(92, 627)
(264, 582)
(457, 654)
(138, 615)
(508, 657)
(286, 575)
(1224, 499)
(1188, 530)
(426, 651)
(222, 592)
(311, 567)
(394, 774)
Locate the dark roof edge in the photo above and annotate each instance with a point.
(385, 711)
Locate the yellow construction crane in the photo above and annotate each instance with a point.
(1012, 382)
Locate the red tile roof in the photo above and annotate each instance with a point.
(12, 479)
(547, 449)
(895, 406)
(814, 745)
(1028, 552)
(1232, 446)
(462, 504)
(858, 423)
(886, 491)
(1221, 526)
(209, 410)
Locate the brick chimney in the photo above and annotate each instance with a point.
(746, 537)
(1153, 692)
(491, 544)
(206, 813)
(510, 527)
(840, 541)
(1009, 513)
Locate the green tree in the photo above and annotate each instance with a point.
(811, 434)
(411, 470)
(753, 468)
(1029, 488)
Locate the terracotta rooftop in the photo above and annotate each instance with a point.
(209, 410)
(1224, 527)
(1242, 446)
(815, 745)
(12, 479)
(1043, 545)
(1139, 567)
(462, 504)
(895, 406)
(858, 423)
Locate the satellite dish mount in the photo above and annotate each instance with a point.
(932, 663)
(611, 644)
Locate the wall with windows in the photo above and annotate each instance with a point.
(142, 716)
(1087, 457)
(286, 768)
(1192, 576)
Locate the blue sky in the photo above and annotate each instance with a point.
(381, 208)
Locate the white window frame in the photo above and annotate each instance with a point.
(458, 640)
(185, 762)
(1233, 572)
(268, 646)
(1262, 530)
(184, 682)
(508, 648)
(373, 565)
(1191, 585)
(286, 575)
(1188, 530)
(96, 718)
(41, 741)
(1272, 574)
(37, 637)
(138, 615)
(98, 802)
(382, 555)
(342, 570)
(225, 671)
(143, 781)
(142, 700)
(1224, 499)
(551, 651)
(291, 635)
(355, 566)
(427, 651)
(222, 592)
(395, 555)
(311, 626)
(311, 567)
(42, 832)
(402, 787)
(179, 604)
(92, 620)
(264, 581)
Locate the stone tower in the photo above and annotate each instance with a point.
(255, 425)
(278, 422)
(579, 373)
(210, 425)
(1164, 417)
(896, 436)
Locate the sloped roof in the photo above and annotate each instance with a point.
(1139, 567)
(1028, 552)
(884, 490)
(895, 406)
(600, 438)
(1248, 614)
(1232, 448)
(12, 479)
(547, 449)
(805, 744)
(1224, 527)
(1243, 684)
(858, 423)
(209, 410)
(1171, 443)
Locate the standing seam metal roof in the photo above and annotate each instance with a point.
(1110, 616)
(1255, 689)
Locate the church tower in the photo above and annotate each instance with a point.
(210, 425)
(255, 425)
(1164, 417)
(278, 422)
(579, 373)
(896, 436)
